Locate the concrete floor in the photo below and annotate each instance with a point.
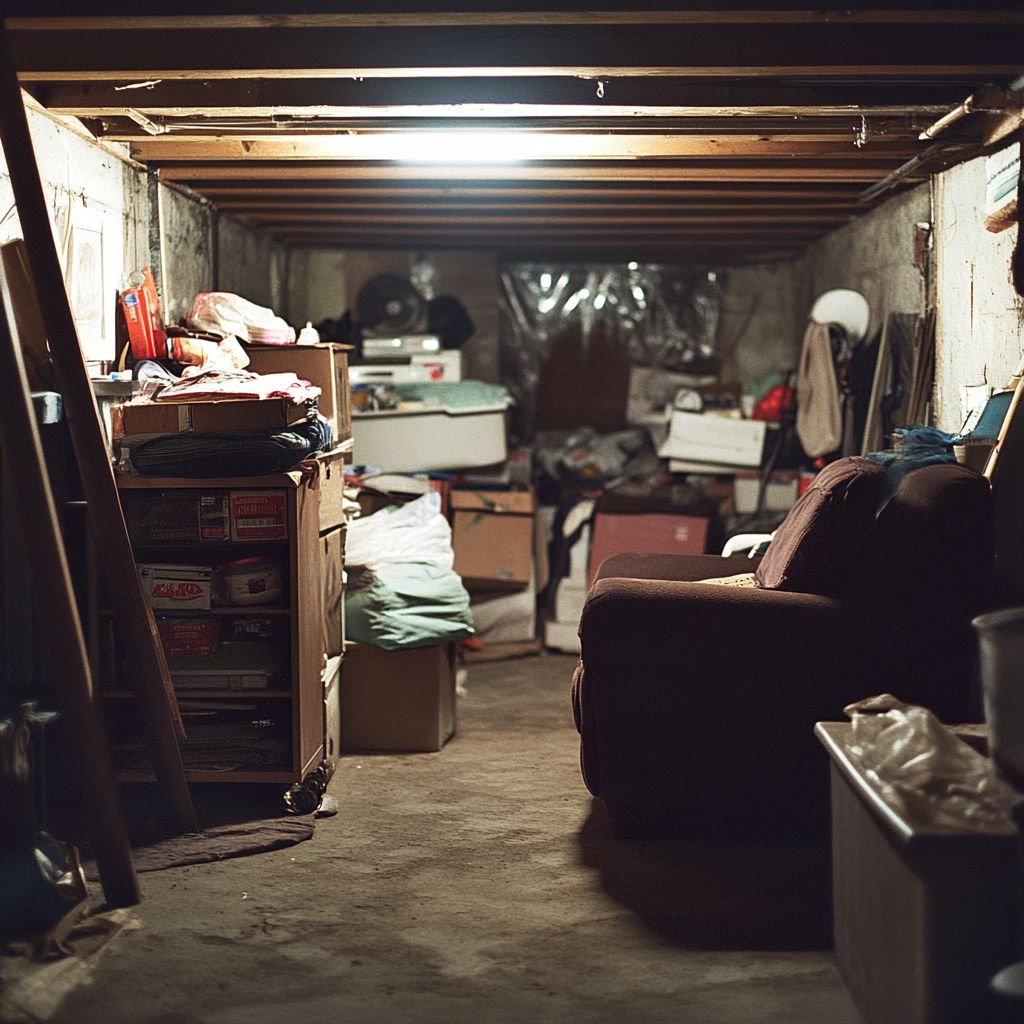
(480, 884)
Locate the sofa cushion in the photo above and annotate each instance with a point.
(824, 529)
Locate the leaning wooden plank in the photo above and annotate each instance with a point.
(51, 586)
(28, 319)
(143, 653)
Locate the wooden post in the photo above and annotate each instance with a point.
(144, 658)
(40, 530)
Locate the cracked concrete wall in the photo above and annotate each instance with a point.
(97, 192)
(99, 210)
(873, 255)
(980, 318)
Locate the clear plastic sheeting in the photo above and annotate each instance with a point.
(924, 771)
(659, 316)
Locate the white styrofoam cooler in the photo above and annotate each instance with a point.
(435, 437)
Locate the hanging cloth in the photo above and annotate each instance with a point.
(818, 414)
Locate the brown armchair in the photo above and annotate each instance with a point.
(695, 701)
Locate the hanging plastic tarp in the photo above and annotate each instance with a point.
(570, 334)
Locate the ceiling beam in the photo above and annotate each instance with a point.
(455, 19)
(575, 173)
(246, 189)
(488, 97)
(657, 48)
(255, 207)
(512, 147)
(474, 220)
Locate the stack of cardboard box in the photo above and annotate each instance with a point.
(501, 555)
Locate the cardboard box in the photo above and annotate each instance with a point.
(651, 532)
(718, 440)
(176, 516)
(779, 495)
(332, 569)
(562, 636)
(503, 618)
(569, 601)
(332, 489)
(189, 637)
(397, 700)
(325, 365)
(431, 437)
(493, 538)
(258, 515)
(211, 417)
(177, 587)
(331, 679)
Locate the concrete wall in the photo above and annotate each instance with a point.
(98, 203)
(104, 221)
(323, 283)
(250, 263)
(873, 255)
(762, 321)
(980, 318)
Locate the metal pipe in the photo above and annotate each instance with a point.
(954, 115)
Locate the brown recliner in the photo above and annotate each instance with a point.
(696, 702)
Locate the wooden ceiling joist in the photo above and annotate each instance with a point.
(590, 146)
(656, 48)
(500, 97)
(799, 171)
(677, 131)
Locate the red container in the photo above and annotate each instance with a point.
(141, 307)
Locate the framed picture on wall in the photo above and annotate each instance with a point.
(91, 270)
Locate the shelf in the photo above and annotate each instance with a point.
(273, 610)
(208, 694)
(194, 547)
(278, 776)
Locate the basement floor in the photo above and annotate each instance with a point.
(478, 884)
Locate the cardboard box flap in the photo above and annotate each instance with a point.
(498, 502)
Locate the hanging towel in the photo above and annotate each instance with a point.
(818, 415)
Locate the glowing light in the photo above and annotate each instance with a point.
(458, 147)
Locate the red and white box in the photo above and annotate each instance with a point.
(176, 587)
(185, 638)
(258, 515)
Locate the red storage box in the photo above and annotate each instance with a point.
(649, 532)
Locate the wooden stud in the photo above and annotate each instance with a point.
(25, 470)
(143, 653)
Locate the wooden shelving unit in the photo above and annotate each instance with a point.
(302, 614)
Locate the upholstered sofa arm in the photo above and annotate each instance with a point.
(645, 566)
(706, 625)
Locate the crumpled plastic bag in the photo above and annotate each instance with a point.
(924, 770)
(414, 532)
(227, 313)
(406, 604)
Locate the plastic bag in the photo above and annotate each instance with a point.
(924, 770)
(227, 313)
(406, 604)
(416, 532)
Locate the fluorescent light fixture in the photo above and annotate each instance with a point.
(466, 147)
